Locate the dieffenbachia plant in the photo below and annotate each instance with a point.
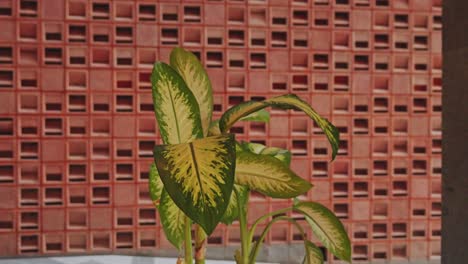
(201, 176)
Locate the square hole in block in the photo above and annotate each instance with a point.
(101, 126)
(124, 172)
(28, 31)
(29, 197)
(6, 127)
(53, 173)
(100, 11)
(192, 14)
(147, 216)
(77, 219)
(29, 243)
(101, 195)
(53, 196)
(124, 239)
(101, 241)
(169, 36)
(6, 79)
(77, 242)
(77, 196)
(124, 103)
(101, 172)
(29, 150)
(29, 220)
(77, 172)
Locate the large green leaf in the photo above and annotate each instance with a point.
(292, 101)
(199, 176)
(268, 175)
(232, 212)
(313, 255)
(327, 227)
(197, 80)
(155, 185)
(172, 220)
(175, 106)
(279, 153)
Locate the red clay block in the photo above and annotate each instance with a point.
(7, 248)
(53, 220)
(380, 88)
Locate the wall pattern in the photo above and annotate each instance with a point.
(77, 128)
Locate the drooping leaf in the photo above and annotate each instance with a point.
(197, 80)
(172, 220)
(175, 106)
(279, 153)
(155, 185)
(268, 175)
(290, 101)
(235, 113)
(199, 176)
(261, 115)
(327, 227)
(232, 212)
(313, 255)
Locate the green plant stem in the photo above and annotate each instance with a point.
(259, 243)
(264, 217)
(200, 245)
(245, 242)
(188, 241)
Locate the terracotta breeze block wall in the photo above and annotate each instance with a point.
(77, 128)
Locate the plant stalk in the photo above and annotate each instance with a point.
(264, 217)
(245, 242)
(188, 241)
(259, 243)
(200, 245)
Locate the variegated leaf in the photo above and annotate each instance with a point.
(172, 220)
(290, 101)
(232, 212)
(214, 128)
(155, 185)
(268, 175)
(199, 176)
(175, 106)
(197, 80)
(235, 113)
(313, 255)
(279, 153)
(327, 227)
(261, 115)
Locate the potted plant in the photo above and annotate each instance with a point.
(202, 176)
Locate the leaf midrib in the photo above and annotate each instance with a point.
(175, 116)
(195, 165)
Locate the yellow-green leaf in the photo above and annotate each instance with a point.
(235, 113)
(175, 106)
(290, 101)
(279, 153)
(232, 212)
(197, 80)
(172, 220)
(313, 255)
(199, 176)
(261, 115)
(155, 185)
(327, 227)
(268, 175)
(214, 128)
